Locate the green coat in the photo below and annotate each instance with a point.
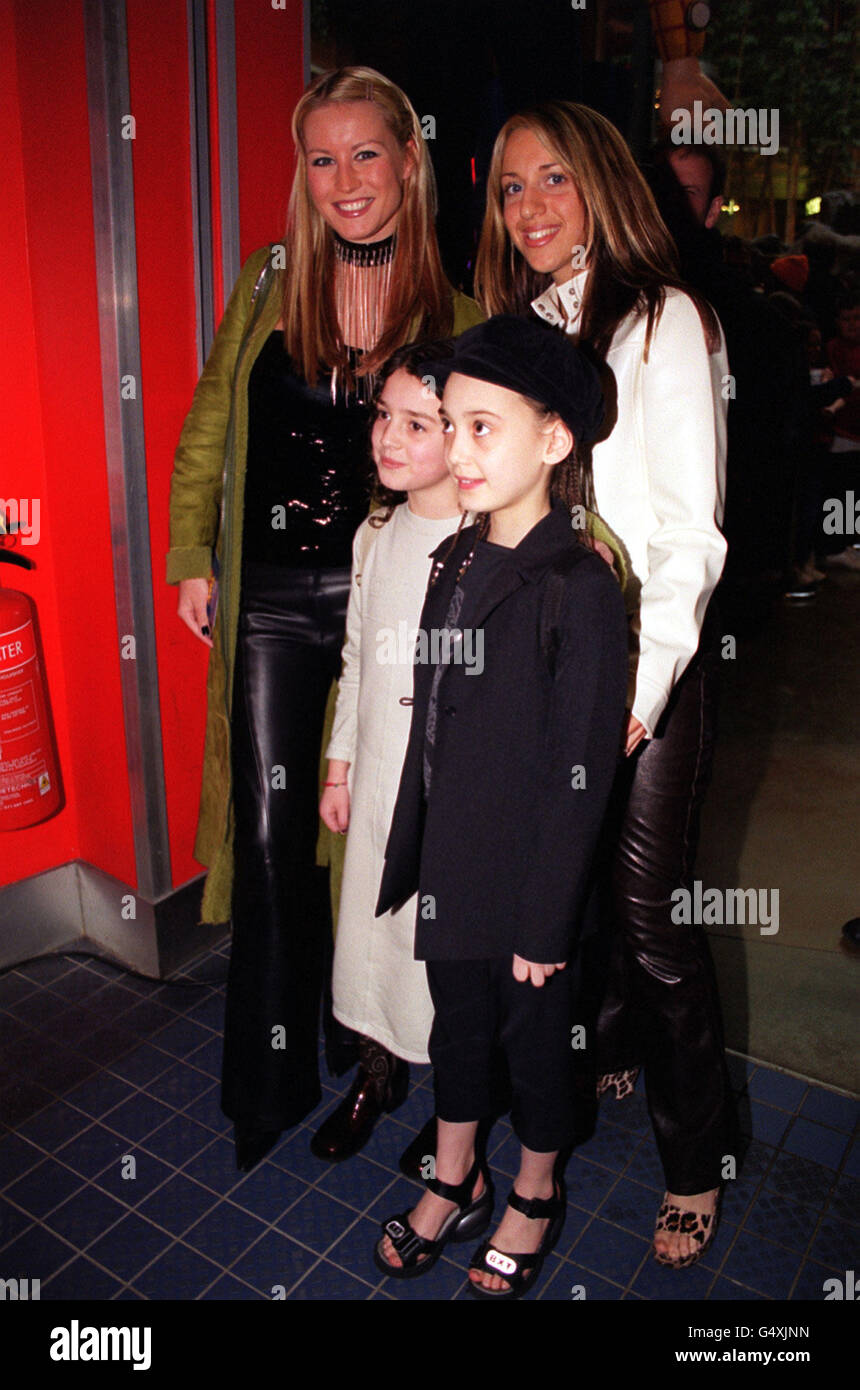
(195, 503)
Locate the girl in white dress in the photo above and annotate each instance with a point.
(379, 990)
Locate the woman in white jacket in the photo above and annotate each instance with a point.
(572, 233)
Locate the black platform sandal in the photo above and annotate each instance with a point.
(490, 1260)
(469, 1218)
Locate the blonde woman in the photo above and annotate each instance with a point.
(275, 445)
(572, 233)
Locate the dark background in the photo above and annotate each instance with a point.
(472, 63)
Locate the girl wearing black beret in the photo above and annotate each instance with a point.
(507, 774)
(572, 234)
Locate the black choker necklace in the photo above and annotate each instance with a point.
(364, 254)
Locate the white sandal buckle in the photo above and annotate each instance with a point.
(503, 1263)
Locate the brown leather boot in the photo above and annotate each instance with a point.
(379, 1087)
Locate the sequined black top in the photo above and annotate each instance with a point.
(308, 469)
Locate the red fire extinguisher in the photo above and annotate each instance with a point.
(29, 776)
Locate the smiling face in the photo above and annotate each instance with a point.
(500, 452)
(409, 446)
(355, 169)
(545, 217)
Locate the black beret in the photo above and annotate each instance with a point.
(536, 360)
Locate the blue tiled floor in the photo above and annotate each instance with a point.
(118, 1179)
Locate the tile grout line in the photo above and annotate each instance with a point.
(313, 1185)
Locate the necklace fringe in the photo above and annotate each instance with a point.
(362, 284)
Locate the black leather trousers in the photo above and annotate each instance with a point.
(291, 628)
(661, 1009)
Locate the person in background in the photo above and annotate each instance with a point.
(764, 389)
(823, 395)
(701, 178)
(843, 356)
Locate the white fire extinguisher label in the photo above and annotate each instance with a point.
(17, 647)
(19, 716)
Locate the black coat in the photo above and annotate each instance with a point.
(500, 854)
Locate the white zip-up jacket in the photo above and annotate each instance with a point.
(659, 477)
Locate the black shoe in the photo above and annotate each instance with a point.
(253, 1144)
(470, 1217)
(851, 935)
(349, 1126)
(520, 1271)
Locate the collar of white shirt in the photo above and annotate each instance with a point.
(561, 305)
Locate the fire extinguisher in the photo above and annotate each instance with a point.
(29, 776)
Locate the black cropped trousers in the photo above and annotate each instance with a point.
(660, 1008)
(481, 1011)
(288, 652)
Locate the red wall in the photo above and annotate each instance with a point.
(23, 467)
(158, 80)
(269, 82)
(50, 367)
(268, 78)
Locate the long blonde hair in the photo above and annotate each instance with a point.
(629, 253)
(419, 289)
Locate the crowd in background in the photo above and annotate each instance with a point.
(791, 316)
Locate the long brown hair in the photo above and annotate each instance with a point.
(420, 293)
(629, 253)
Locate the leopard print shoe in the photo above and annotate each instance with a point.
(621, 1082)
(702, 1226)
